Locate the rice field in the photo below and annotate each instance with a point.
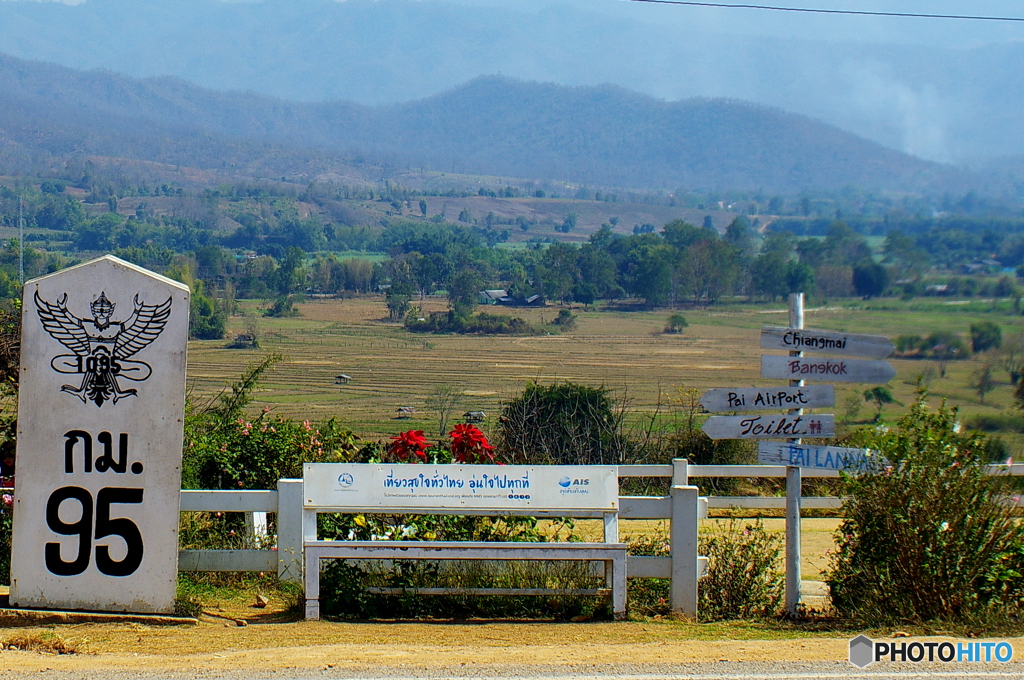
(625, 351)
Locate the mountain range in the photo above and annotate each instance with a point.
(599, 135)
(942, 90)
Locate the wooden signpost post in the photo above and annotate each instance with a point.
(100, 417)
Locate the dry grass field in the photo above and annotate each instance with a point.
(625, 351)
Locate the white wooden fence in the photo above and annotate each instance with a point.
(683, 566)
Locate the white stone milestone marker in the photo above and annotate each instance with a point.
(100, 416)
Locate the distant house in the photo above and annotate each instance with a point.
(982, 267)
(495, 297)
(474, 416)
(535, 301)
(342, 379)
(405, 412)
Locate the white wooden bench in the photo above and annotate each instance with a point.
(482, 490)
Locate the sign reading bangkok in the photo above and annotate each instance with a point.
(827, 370)
(100, 416)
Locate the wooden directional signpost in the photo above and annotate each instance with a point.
(768, 398)
(827, 370)
(769, 427)
(100, 415)
(795, 425)
(826, 342)
(814, 457)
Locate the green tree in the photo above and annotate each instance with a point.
(464, 291)
(676, 324)
(870, 279)
(397, 301)
(982, 381)
(423, 206)
(986, 335)
(881, 395)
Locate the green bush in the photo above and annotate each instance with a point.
(649, 596)
(743, 580)
(227, 449)
(565, 424)
(676, 324)
(474, 324)
(996, 422)
(929, 536)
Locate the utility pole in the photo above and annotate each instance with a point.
(21, 241)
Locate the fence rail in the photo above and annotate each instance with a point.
(683, 566)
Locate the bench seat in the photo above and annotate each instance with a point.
(613, 555)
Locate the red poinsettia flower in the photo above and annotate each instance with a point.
(469, 445)
(411, 444)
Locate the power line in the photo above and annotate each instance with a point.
(812, 10)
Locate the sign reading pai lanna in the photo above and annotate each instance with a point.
(100, 415)
(817, 457)
(446, 489)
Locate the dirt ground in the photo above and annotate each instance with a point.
(267, 642)
(236, 636)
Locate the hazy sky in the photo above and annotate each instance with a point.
(951, 91)
(943, 32)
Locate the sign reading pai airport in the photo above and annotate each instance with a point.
(100, 415)
(458, 487)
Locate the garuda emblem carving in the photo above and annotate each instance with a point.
(102, 347)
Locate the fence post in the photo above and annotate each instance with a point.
(683, 543)
(289, 530)
(680, 472)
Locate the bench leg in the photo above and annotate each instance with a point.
(618, 568)
(312, 587)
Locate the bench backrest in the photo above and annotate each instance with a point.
(528, 490)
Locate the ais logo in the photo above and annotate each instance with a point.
(566, 482)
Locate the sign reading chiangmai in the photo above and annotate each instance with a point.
(100, 415)
(770, 426)
(827, 370)
(826, 342)
(815, 457)
(455, 487)
(768, 398)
